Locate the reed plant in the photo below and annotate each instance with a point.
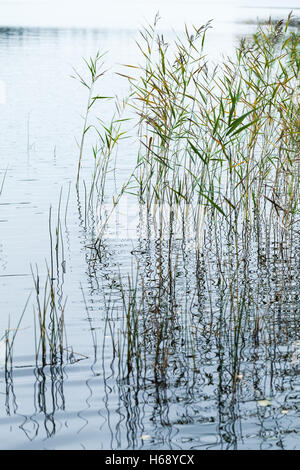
(216, 185)
(3, 181)
(221, 140)
(49, 308)
(9, 338)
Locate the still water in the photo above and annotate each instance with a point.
(87, 404)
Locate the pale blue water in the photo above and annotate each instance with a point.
(84, 405)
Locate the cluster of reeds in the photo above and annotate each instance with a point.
(216, 187)
(219, 154)
(49, 308)
(107, 135)
(227, 136)
(9, 341)
(219, 139)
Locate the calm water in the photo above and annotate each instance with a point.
(87, 404)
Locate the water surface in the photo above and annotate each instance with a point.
(87, 403)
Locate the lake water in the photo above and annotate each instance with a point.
(85, 404)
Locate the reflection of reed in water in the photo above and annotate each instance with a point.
(204, 336)
(198, 339)
(48, 399)
(49, 396)
(51, 350)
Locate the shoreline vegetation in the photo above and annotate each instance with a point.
(215, 266)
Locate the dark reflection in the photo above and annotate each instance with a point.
(196, 351)
(206, 344)
(19, 31)
(55, 400)
(10, 397)
(48, 399)
(23, 35)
